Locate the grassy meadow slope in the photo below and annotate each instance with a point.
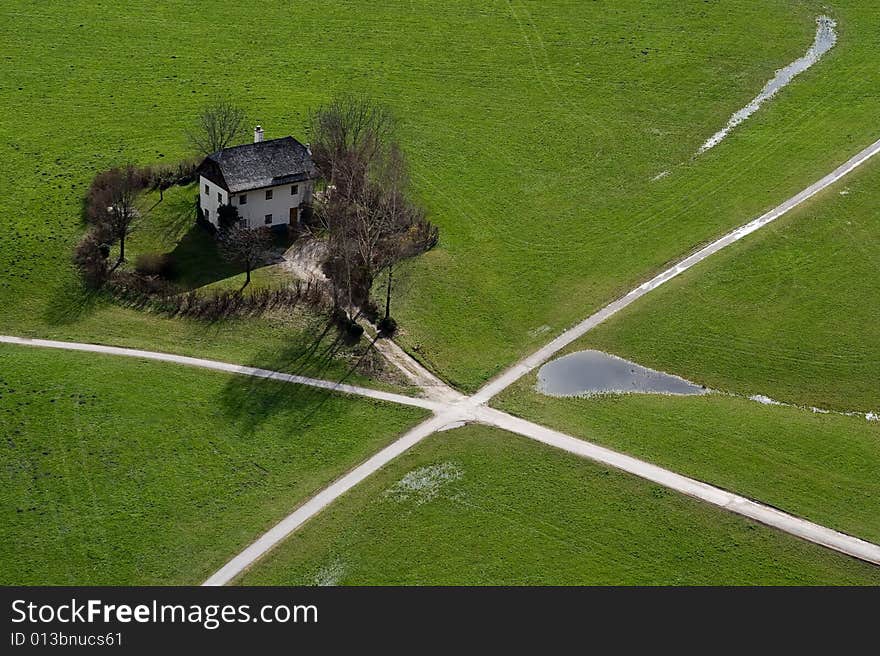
(822, 467)
(480, 506)
(534, 130)
(118, 471)
(570, 216)
(792, 312)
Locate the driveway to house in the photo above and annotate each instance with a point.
(451, 409)
(303, 259)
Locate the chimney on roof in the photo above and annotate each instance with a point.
(258, 134)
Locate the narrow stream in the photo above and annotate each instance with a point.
(825, 39)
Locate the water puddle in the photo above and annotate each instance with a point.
(766, 400)
(825, 39)
(593, 372)
(589, 373)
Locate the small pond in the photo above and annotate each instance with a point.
(594, 372)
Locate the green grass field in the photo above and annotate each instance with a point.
(792, 312)
(534, 131)
(480, 506)
(821, 467)
(117, 471)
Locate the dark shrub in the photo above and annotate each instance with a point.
(387, 326)
(339, 317)
(187, 171)
(90, 257)
(227, 216)
(350, 328)
(351, 332)
(370, 311)
(307, 215)
(422, 237)
(156, 264)
(162, 178)
(137, 290)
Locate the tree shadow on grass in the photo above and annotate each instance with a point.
(250, 401)
(172, 217)
(84, 211)
(71, 301)
(198, 261)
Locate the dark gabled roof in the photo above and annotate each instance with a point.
(262, 164)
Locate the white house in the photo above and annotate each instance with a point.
(268, 182)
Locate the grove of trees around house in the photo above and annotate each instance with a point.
(364, 213)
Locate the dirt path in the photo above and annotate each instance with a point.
(467, 412)
(432, 387)
(324, 498)
(453, 414)
(202, 363)
(735, 503)
(303, 259)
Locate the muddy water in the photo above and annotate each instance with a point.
(594, 372)
(825, 39)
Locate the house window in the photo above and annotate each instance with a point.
(268, 219)
(294, 190)
(207, 215)
(207, 191)
(242, 200)
(268, 194)
(219, 197)
(242, 223)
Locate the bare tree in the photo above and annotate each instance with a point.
(163, 178)
(370, 223)
(348, 136)
(245, 247)
(334, 217)
(218, 126)
(406, 232)
(112, 199)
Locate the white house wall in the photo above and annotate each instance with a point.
(257, 207)
(208, 192)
